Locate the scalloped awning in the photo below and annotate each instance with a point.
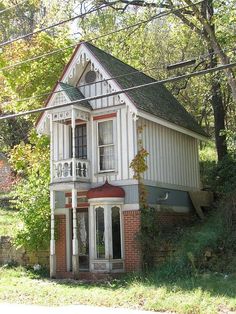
(105, 191)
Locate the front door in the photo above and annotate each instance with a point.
(83, 238)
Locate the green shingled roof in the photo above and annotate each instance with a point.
(74, 94)
(155, 99)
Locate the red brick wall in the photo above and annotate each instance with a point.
(61, 243)
(132, 248)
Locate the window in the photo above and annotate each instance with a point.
(80, 141)
(100, 232)
(107, 229)
(116, 236)
(106, 147)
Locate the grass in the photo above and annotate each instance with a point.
(206, 293)
(8, 221)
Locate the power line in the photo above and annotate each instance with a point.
(168, 80)
(51, 26)
(165, 65)
(12, 7)
(159, 15)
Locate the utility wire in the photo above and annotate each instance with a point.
(74, 102)
(12, 7)
(51, 26)
(165, 65)
(159, 15)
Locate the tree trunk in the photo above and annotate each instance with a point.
(219, 116)
(205, 19)
(217, 98)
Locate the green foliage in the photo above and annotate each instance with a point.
(32, 78)
(8, 222)
(12, 132)
(223, 177)
(31, 194)
(195, 245)
(148, 237)
(208, 161)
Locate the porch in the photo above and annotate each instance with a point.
(70, 136)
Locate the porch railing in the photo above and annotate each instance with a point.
(63, 169)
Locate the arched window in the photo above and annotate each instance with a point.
(100, 229)
(116, 234)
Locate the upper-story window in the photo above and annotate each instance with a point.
(106, 146)
(80, 141)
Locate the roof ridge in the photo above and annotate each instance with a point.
(126, 64)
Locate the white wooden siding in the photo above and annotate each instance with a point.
(124, 148)
(173, 156)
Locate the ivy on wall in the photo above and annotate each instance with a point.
(148, 231)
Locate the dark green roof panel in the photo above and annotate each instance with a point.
(155, 99)
(74, 94)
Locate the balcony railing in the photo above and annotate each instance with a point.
(63, 169)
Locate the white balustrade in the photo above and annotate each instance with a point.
(63, 169)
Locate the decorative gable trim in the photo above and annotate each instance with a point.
(82, 57)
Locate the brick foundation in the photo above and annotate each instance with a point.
(132, 248)
(61, 244)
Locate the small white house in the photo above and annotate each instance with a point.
(93, 194)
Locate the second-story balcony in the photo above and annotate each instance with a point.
(71, 169)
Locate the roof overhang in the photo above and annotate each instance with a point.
(171, 125)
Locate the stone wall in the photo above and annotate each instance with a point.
(19, 256)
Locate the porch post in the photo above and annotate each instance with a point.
(73, 118)
(51, 148)
(75, 248)
(52, 241)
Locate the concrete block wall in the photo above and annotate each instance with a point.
(11, 254)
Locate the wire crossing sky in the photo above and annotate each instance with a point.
(162, 66)
(168, 80)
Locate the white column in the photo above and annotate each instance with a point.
(52, 241)
(75, 244)
(51, 148)
(73, 118)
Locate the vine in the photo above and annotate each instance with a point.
(148, 230)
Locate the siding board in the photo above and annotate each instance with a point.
(173, 156)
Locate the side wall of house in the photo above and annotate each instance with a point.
(173, 156)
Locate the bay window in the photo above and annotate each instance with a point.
(107, 232)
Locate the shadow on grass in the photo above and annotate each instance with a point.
(214, 283)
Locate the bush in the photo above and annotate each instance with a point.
(199, 244)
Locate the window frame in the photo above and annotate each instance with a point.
(107, 145)
(108, 241)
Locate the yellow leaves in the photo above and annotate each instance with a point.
(138, 164)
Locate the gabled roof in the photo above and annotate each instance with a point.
(74, 94)
(155, 99)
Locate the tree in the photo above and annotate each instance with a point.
(29, 153)
(200, 18)
(31, 194)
